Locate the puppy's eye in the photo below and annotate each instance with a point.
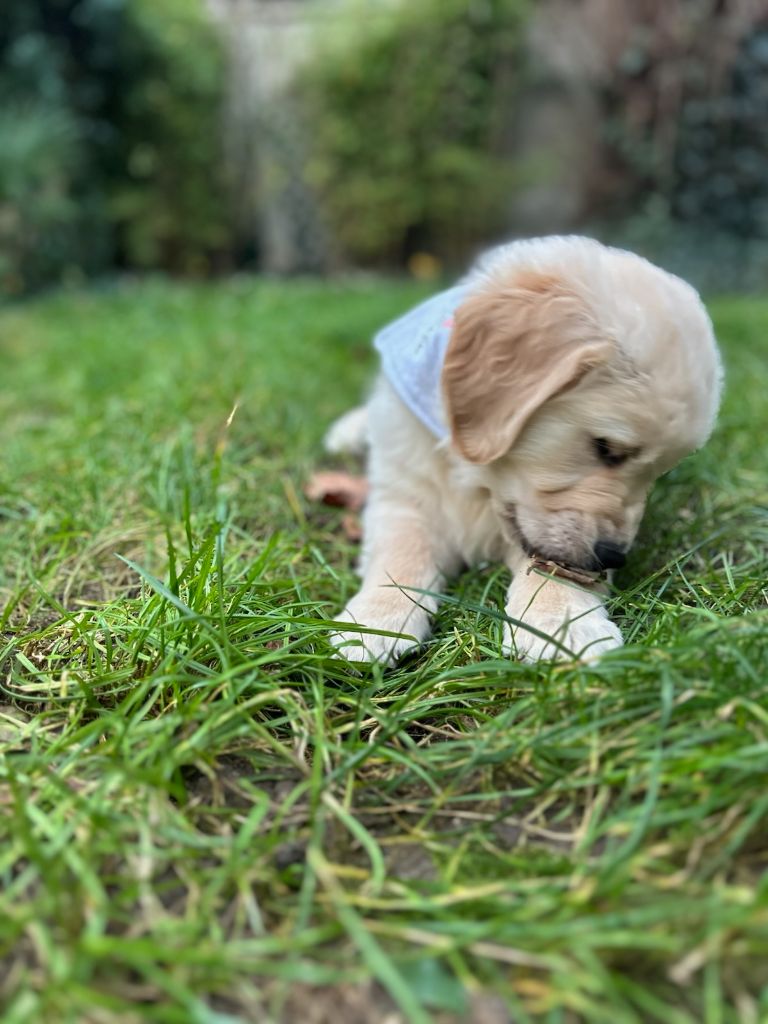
(607, 455)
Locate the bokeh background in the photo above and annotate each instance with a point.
(203, 137)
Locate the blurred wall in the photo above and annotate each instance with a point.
(267, 43)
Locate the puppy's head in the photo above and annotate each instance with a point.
(575, 382)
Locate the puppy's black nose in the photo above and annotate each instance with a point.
(609, 555)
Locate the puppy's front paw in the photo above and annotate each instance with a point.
(380, 612)
(573, 618)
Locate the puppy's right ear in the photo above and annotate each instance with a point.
(513, 347)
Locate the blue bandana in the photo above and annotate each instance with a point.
(412, 349)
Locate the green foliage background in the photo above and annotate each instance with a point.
(686, 129)
(408, 113)
(399, 137)
(109, 139)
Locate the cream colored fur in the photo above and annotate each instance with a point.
(560, 341)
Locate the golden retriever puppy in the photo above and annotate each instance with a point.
(524, 413)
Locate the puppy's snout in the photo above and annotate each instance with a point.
(610, 555)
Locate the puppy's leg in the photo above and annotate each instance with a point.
(574, 616)
(398, 561)
(349, 433)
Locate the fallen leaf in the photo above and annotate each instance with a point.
(352, 527)
(334, 487)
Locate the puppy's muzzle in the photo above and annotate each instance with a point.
(605, 554)
(609, 555)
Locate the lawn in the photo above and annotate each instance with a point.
(206, 819)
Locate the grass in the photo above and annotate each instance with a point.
(205, 818)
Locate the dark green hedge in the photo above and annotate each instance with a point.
(409, 110)
(109, 139)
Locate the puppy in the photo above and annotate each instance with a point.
(524, 412)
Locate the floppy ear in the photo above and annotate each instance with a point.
(512, 348)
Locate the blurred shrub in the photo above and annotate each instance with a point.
(168, 190)
(712, 259)
(409, 116)
(109, 138)
(721, 156)
(40, 220)
(686, 117)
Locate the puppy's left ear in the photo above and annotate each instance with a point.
(513, 347)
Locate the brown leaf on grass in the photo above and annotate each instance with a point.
(352, 527)
(334, 487)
